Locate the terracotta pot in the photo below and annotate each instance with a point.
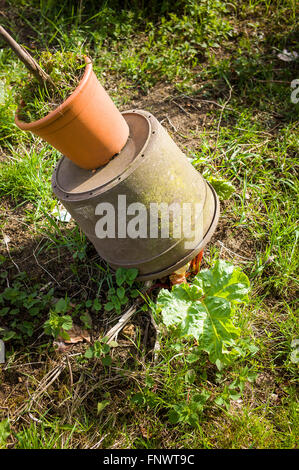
(87, 128)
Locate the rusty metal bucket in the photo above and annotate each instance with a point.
(150, 171)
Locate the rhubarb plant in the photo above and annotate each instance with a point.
(204, 310)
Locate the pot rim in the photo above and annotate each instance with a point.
(57, 112)
(91, 193)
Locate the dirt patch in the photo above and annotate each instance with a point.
(183, 117)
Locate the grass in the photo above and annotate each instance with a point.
(65, 70)
(210, 70)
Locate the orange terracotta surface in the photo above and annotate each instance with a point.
(87, 128)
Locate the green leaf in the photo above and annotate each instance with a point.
(14, 311)
(63, 335)
(192, 357)
(203, 310)
(190, 376)
(86, 320)
(173, 417)
(102, 405)
(111, 292)
(109, 306)
(131, 275)
(120, 276)
(67, 322)
(223, 188)
(138, 399)
(4, 311)
(106, 361)
(61, 306)
(89, 353)
(120, 292)
(4, 431)
(124, 300)
(96, 305)
(224, 280)
(6, 335)
(134, 293)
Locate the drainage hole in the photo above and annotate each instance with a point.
(142, 155)
(153, 132)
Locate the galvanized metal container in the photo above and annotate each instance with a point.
(150, 170)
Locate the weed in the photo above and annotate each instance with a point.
(203, 309)
(65, 70)
(57, 324)
(119, 296)
(22, 308)
(100, 350)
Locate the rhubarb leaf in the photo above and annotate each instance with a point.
(204, 309)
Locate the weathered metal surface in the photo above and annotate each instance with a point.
(151, 169)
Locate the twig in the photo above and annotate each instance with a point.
(6, 241)
(157, 346)
(70, 370)
(271, 81)
(49, 378)
(232, 252)
(172, 125)
(113, 332)
(27, 59)
(181, 107)
(221, 114)
(42, 267)
(95, 446)
(34, 418)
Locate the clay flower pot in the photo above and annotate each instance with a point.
(87, 128)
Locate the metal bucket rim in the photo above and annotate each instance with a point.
(85, 195)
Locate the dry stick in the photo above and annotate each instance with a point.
(232, 252)
(157, 346)
(49, 378)
(221, 114)
(113, 332)
(124, 319)
(27, 59)
(181, 107)
(6, 241)
(42, 267)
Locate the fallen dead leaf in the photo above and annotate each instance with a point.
(60, 346)
(76, 335)
(129, 330)
(145, 433)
